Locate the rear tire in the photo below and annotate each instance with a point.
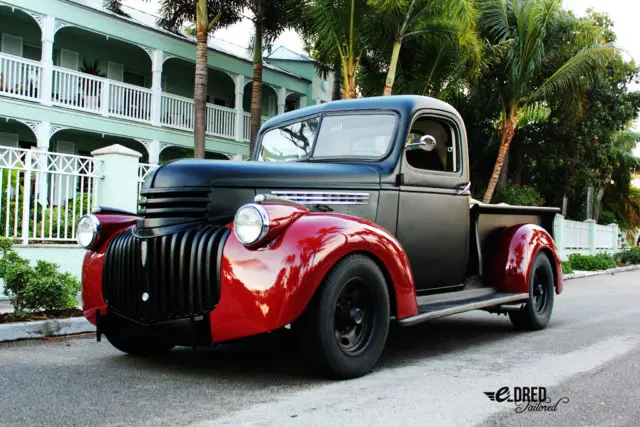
(536, 312)
(137, 343)
(345, 327)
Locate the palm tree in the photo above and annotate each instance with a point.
(336, 31)
(518, 30)
(269, 18)
(207, 16)
(443, 21)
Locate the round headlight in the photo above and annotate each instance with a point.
(87, 230)
(251, 224)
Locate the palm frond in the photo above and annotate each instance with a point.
(576, 73)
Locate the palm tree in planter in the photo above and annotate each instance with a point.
(91, 89)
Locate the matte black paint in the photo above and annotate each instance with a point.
(428, 211)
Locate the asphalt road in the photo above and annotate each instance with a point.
(433, 374)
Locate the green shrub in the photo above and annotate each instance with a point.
(16, 273)
(39, 288)
(49, 289)
(520, 196)
(601, 261)
(630, 256)
(566, 267)
(607, 217)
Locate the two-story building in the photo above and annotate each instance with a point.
(75, 77)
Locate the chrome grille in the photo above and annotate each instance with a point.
(324, 197)
(170, 277)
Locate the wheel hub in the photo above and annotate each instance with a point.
(356, 315)
(353, 322)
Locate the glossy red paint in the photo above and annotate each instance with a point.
(110, 225)
(514, 255)
(266, 288)
(280, 216)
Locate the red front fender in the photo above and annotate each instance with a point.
(267, 288)
(511, 264)
(92, 300)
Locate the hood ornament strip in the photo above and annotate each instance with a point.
(323, 197)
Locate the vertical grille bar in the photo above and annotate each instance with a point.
(180, 274)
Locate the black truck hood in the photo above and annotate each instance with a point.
(226, 173)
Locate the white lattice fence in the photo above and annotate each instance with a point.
(43, 194)
(144, 169)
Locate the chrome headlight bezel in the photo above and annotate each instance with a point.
(94, 228)
(261, 228)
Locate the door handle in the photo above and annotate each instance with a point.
(463, 188)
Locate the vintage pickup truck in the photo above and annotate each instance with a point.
(350, 215)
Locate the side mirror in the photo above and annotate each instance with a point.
(426, 143)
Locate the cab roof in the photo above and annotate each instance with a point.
(407, 105)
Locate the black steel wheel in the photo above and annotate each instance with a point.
(345, 327)
(536, 312)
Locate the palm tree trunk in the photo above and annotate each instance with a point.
(200, 87)
(391, 74)
(336, 95)
(507, 131)
(349, 77)
(256, 87)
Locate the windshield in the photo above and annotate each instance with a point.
(336, 136)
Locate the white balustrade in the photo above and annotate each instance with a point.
(220, 121)
(22, 78)
(44, 194)
(73, 89)
(19, 77)
(144, 169)
(177, 112)
(129, 101)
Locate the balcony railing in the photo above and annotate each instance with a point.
(19, 77)
(23, 78)
(129, 101)
(76, 90)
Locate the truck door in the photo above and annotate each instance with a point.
(433, 206)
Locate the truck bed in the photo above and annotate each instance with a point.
(489, 221)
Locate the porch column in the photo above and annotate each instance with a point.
(282, 98)
(43, 142)
(303, 101)
(154, 148)
(239, 82)
(48, 33)
(156, 86)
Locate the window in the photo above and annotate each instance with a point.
(338, 136)
(289, 143)
(444, 156)
(69, 59)
(12, 44)
(355, 135)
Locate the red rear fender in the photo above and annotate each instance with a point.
(515, 253)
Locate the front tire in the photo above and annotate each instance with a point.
(536, 312)
(345, 327)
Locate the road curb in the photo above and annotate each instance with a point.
(582, 274)
(44, 328)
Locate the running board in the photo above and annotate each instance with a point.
(433, 310)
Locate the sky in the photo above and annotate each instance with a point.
(624, 14)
